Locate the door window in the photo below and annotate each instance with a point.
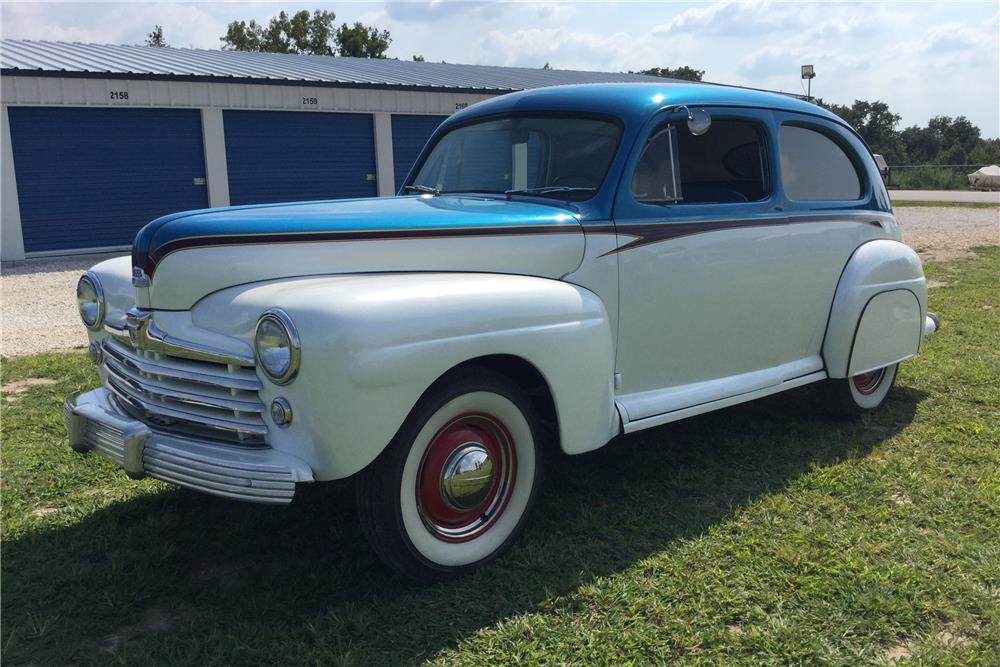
(725, 165)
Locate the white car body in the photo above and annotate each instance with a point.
(628, 321)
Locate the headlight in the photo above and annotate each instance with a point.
(90, 300)
(277, 346)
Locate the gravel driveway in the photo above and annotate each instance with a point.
(39, 307)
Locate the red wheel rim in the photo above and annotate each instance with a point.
(867, 383)
(466, 477)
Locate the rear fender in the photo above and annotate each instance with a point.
(878, 312)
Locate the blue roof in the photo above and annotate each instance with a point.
(631, 101)
(42, 58)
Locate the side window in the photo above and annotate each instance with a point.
(815, 168)
(725, 165)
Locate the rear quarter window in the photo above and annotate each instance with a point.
(815, 168)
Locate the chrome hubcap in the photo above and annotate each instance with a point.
(467, 477)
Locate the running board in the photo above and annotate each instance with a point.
(667, 417)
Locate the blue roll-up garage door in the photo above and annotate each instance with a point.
(276, 156)
(409, 134)
(90, 178)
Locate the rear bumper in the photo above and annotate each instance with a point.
(931, 323)
(260, 475)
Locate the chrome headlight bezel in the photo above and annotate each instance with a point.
(281, 319)
(90, 278)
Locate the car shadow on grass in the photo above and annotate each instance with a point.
(178, 576)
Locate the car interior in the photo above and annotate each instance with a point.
(727, 164)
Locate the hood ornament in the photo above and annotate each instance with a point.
(139, 277)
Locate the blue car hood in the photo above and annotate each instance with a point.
(188, 255)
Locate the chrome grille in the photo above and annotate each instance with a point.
(201, 399)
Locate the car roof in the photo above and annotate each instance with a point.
(636, 101)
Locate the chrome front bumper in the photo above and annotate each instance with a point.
(261, 475)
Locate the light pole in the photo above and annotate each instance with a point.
(808, 73)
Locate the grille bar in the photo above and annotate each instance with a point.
(202, 399)
(158, 391)
(163, 417)
(199, 373)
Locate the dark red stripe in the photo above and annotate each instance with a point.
(647, 233)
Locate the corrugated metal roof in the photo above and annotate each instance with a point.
(41, 58)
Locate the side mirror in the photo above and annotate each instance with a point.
(698, 121)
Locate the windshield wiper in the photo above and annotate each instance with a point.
(422, 189)
(547, 190)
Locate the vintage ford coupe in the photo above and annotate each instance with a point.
(562, 266)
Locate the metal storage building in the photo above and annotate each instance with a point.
(98, 139)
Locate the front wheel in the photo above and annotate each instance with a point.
(452, 489)
(854, 396)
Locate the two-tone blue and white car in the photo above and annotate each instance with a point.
(562, 266)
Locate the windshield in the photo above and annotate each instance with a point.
(554, 156)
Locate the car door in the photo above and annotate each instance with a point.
(700, 232)
(835, 203)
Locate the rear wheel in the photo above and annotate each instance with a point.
(861, 393)
(452, 489)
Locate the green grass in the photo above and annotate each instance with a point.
(763, 534)
(896, 203)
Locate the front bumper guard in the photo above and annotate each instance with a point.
(261, 475)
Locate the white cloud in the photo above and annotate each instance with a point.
(563, 48)
(735, 18)
(922, 58)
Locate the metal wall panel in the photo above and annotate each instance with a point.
(276, 156)
(90, 178)
(32, 90)
(409, 134)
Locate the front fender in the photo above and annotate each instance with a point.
(877, 317)
(373, 344)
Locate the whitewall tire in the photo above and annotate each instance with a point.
(453, 488)
(861, 393)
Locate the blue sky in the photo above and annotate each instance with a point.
(924, 59)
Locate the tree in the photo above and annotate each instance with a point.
(684, 72)
(418, 59)
(361, 41)
(987, 151)
(156, 38)
(876, 124)
(945, 140)
(300, 33)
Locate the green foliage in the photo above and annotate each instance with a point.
(945, 141)
(156, 38)
(361, 41)
(930, 177)
(418, 59)
(299, 33)
(876, 123)
(763, 534)
(684, 72)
